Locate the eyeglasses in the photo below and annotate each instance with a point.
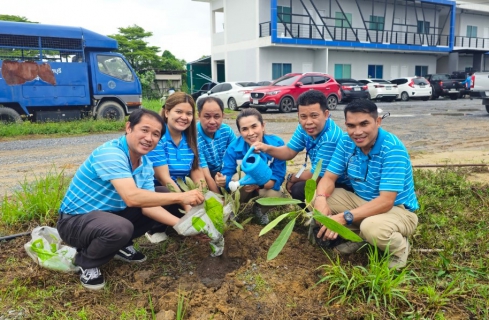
(363, 163)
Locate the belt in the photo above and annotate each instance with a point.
(65, 216)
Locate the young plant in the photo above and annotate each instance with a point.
(304, 215)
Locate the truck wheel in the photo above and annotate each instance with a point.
(232, 105)
(404, 96)
(434, 96)
(110, 110)
(454, 96)
(8, 115)
(286, 104)
(487, 108)
(332, 102)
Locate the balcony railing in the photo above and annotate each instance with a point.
(471, 42)
(330, 33)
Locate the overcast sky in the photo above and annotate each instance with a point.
(181, 26)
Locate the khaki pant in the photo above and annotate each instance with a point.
(384, 230)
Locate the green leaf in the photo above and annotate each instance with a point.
(190, 184)
(282, 239)
(310, 189)
(319, 168)
(182, 184)
(272, 224)
(171, 187)
(340, 229)
(236, 223)
(277, 201)
(198, 223)
(246, 221)
(214, 210)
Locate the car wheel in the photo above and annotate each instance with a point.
(8, 115)
(404, 96)
(332, 102)
(261, 109)
(110, 110)
(286, 104)
(487, 108)
(453, 96)
(232, 105)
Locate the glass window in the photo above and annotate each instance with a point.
(420, 71)
(286, 81)
(280, 69)
(319, 80)
(284, 13)
(343, 20)
(226, 87)
(375, 71)
(472, 31)
(420, 81)
(306, 81)
(376, 23)
(217, 88)
(114, 67)
(342, 71)
(423, 26)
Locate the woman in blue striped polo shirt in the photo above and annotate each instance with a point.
(252, 129)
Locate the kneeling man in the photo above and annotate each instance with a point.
(383, 202)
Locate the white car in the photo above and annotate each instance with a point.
(234, 94)
(413, 88)
(380, 89)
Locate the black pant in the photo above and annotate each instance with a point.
(99, 235)
(297, 191)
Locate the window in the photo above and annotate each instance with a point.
(376, 23)
(472, 31)
(307, 81)
(375, 71)
(280, 69)
(217, 88)
(423, 26)
(114, 67)
(226, 87)
(319, 80)
(284, 13)
(343, 20)
(421, 71)
(342, 71)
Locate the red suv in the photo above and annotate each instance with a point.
(283, 93)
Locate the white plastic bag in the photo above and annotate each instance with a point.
(210, 222)
(46, 250)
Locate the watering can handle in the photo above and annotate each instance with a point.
(250, 151)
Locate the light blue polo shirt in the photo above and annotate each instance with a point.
(322, 147)
(237, 150)
(91, 188)
(178, 158)
(387, 167)
(211, 150)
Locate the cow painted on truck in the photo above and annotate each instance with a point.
(53, 73)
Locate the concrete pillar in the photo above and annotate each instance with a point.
(452, 62)
(477, 61)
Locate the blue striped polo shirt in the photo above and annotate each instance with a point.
(178, 158)
(237, 150)
(211, 150)
(91, 188)
(387, 167)
(320, 148)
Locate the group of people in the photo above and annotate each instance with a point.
(121, 191)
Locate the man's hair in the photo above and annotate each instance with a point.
(138, 114)
(249, 112)
(202, 101)
(312, 97)
(363, 106)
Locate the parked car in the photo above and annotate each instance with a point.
(413, 88)
(282, 94)
(380, 89)
(479, 87)
(352, 89)
(234, 94)
(204, 89)
(443, 85)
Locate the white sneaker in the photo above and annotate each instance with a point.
(156, 237)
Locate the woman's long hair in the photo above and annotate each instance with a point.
(191, 131)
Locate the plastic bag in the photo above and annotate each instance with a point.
(46, 250)
(208, 218)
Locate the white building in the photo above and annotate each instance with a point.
(264, 39)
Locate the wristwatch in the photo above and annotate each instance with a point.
(348, 217)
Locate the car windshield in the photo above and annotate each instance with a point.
(247, 84)
(285, 81)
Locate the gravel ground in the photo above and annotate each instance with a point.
(433, 131)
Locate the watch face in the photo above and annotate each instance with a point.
(348, 217)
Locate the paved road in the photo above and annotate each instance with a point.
(424, 127)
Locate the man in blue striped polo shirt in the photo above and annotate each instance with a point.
(317, 134)
(213, 138)
(111, 200)
(382, 205)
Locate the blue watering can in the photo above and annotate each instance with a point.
(256, 170)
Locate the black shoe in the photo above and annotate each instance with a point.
(129, 254)
(92, 278)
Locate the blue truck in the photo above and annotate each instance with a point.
(56, 73)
